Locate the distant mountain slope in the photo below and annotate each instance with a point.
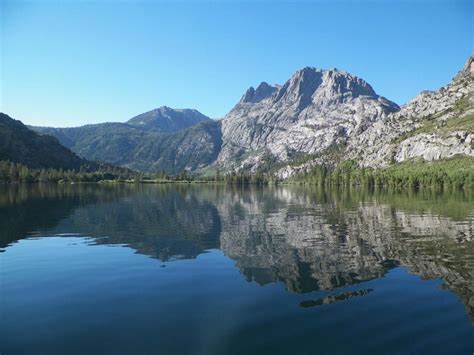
(141, 149)
(108, 142)
(190, 149)
(311, 112)
(21, 145)
(165, 119)
(147, 142)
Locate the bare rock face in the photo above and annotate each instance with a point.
(312, 111)
(434, 125)
(263, 91)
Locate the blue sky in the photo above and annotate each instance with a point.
(68, 63)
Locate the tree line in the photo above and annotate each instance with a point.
(457, 172)
(11, 172)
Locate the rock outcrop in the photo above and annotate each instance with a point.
(434, 125)
(311, 112)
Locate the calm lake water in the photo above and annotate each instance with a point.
(175, 269)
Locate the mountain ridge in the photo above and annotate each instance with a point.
(307, 114)
(321, 116)
(433, 125)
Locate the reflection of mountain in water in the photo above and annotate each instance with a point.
(320, 246)
(32, 208)
(161, 222)
(308, 239)
(335, 298)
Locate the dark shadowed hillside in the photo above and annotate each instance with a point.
(21, 145)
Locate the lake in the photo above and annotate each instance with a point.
(207, 269)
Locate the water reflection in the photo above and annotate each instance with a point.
(28, 209)
(335, 298)
(317, 241)
(308, 239)
(163, 223)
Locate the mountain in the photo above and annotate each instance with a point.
(190, 149)
(314, 110)
(21, 145)
(317, 116)
(165, 119)
(434, 125)
(165, 139)
(109, 142)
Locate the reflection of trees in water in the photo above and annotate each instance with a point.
(163, 223)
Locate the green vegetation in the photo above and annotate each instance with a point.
(457, 172)
(19, 144)
(245, 178)
(462, 104)
(459, 122)
(137, 148)
(15, 172)
(11, 172)
(332, 153)
(26, 156)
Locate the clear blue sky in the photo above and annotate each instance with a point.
(68, 63)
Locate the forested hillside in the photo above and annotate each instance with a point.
(21, 145)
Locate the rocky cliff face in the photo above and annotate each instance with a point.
(311, 112)
(434, 125)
